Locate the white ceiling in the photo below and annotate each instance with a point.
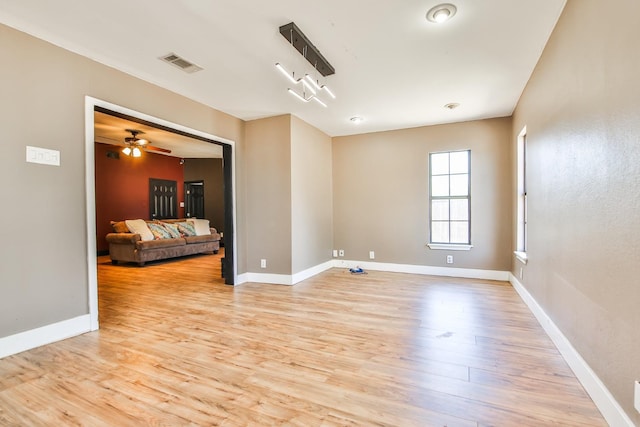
(393, 67)
(112, 130)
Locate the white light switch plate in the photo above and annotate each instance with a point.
(43, 156)
(636, 398)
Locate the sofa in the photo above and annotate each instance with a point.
(140, 241)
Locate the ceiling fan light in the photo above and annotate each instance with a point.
(126, 151)
(137, 152)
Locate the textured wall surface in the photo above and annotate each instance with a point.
(582, 112)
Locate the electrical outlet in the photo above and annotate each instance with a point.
(335, 253)
(449, 259)
(636, 397)
(372, 255)
(341, 252)
(263, 263)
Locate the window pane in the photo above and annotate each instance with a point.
(459, 232)
(459, 209)
(440, 186)
(459, 162)
(439, 232)
(440, 164)
(460, 185)
(440, 210)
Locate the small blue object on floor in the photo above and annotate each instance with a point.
(357, 270)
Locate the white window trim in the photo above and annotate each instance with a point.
(521, 218)
(521, 256)
(449, 246)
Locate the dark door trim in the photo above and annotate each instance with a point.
(194, 199)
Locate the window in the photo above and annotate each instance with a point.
(450, 200)
(521, 231)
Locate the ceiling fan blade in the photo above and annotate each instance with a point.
(152, 148)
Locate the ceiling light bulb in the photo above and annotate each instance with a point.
(126, 151)
(308, 86)
(286, 73)
(356, 119)
(136, 152)
(329, 91)
(319, 101)
(441, 13)
(313, 81)
(297, 95)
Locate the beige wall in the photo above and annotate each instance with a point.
(380, 187)
(268, 174)
(582, 112)
(43, 267)
(311, 196)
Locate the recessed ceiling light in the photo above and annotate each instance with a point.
(441, 13)
(451, 106)
(356, 119)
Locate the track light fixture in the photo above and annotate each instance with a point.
(309, 85)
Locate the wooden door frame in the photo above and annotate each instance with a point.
(229, 155)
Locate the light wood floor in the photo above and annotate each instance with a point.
(178, 347)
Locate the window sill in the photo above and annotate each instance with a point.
(449, 247)
(521, 256)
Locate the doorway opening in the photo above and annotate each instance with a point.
(228, 171)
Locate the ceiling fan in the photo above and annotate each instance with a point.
(133, 144)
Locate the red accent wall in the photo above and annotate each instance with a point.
(122, 186)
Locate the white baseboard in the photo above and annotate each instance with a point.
(604, 400)
(43, 335)
(470, 273)
(310, 272)
(272, 279)
(284, 279)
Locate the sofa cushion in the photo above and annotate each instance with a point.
(186, 228)
(199, 239)
(172, 229)
(201, 226)
(119, 227)
(139, 226)
(160, 243)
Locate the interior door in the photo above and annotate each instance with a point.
(194, 199)
(163, 198)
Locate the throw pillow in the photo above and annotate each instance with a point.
(201, 226)
(159, 232)
(172, 229)
(186, 228)
(119, 227)
(139, 226)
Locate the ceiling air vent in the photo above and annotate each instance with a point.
(183, 64)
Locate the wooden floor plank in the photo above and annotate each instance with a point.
(178, 347)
